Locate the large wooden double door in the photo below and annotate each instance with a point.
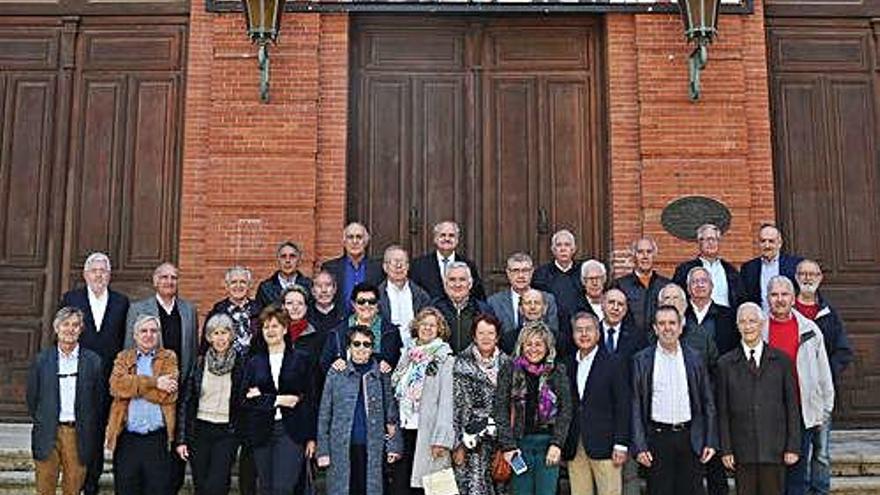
(493, 122)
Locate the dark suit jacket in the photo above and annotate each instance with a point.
(601, 417)
(336, 343)
(189, 331)
(420, 299)
(629, 342)
(704, 421)
(642, 301)
(44, 402)
(759, 417)
(720, 323)
(502, 306)
(750, 272)
(336, 267)
(107, 341)
(269, 291)
(735, 290)
(425, 271)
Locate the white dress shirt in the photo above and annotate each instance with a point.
(442, 265)
(167, 307)
(275, 361)
(597, 308)
(769, 269)
(98, 306)
(514, 299)
(720, 292)
(400, 300)
(759, 350)
(67, 369)
(700, 314)
(670, 402)
(585, 364)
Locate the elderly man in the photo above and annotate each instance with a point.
(727, 285)
(323, 313)
(801, 341)
(673, 410)
(759, 426)
(458, 306)
(619, 337)
(758, 271)
(594, 276)
(694, 336)
(429, 271)
(239, 306)
(142, 418)
(399, 298)
(642, 285)
(178, 324)
(65, 400)
(716, 320)
(289, 255)
(353, 267)
(813, 306)
(599, 434)
(103, 332)
(506, 303)
(562, 276)
(532, 307)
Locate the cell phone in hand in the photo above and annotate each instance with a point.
(518, 464)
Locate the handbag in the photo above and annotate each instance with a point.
(501, 470)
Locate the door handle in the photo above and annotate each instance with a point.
(414, 226)
(543, 221)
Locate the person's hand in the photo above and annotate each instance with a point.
(390, 430)
(708, 453)
(323, 461)
(728, 462)
(384, 367)
(167, 383)
(553, 456)
(393, 457)
(458, 456)
(252, 392)
(508, 456)
(339, 365)
(289, 401)
(618, 457)
(790, 458)
(182, 452)
(645, 458)
(310, 449)
(438, 451)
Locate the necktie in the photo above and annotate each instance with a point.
(445, 262)
(609, 340)
(753, 364)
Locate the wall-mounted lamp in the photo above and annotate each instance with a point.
(700, 26)
(263, 24)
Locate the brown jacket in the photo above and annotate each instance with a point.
(126, 384)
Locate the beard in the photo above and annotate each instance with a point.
(809, 288)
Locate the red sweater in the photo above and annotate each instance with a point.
(808, 310)
(784, 336)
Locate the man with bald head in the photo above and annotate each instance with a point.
(618, 335)
(429, 271)
(772, 261)
(354, 266)
(642, 285)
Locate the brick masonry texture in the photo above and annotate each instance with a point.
(254, 174)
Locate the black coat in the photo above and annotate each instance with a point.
(720, 323)
(704, 420)
(44, 402)
(107, 342)
(425, 272)
(641, 300)
(566, 288)
(190, 394)
(336, 267)
(269, 291)
(840, 353)
(325, 322)
(735, 290)
(629, 342)
(257, 414)
(750, 271)
(759, 417)
(601, 417)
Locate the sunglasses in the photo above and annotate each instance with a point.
(366, 302)
(357, 344)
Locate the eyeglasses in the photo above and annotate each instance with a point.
(366, 302)
(357, 344)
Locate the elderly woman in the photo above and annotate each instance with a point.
(357, 422)
(474, 381)
(278, 416)
(533, 409)
(207, 414)
(423, 387)
(240, 307)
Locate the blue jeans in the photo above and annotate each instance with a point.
(796, 476)
(539, 479)
(819, 469)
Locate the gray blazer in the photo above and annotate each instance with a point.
(44, 402)
(189, 330)
(502, 305)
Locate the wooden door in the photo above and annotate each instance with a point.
(824, 96)
(492, 122)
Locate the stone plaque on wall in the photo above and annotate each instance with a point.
(682, 216)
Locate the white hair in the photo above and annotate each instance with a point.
(459, 265)
(746, 306)
(560, 234)
(238, 270)
(593, 265)
(780, 280)
(97, 257)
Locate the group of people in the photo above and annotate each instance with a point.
(386, 374)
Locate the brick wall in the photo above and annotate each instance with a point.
(254, 174)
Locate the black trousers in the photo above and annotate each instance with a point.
(357, 459)
(247, 471)
(401, 471)
(716, 477)
(279, 463)
(212, 457)
(676, 470)
(95, 465)
(760, 479)
(142, 464)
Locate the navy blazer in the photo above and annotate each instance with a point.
(107, 341)
(704, 420)
(336, 267)
(750, 272)
(629, 342)
(336, 343)
(258, 413)
(735, 290)
(269, 290)
(425, 271)
(601, 416)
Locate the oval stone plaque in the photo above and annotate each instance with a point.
(682, 217)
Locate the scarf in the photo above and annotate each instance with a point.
(296, 329)
(422, 361)
(219, 364)
(547, 399)
(488, 366)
